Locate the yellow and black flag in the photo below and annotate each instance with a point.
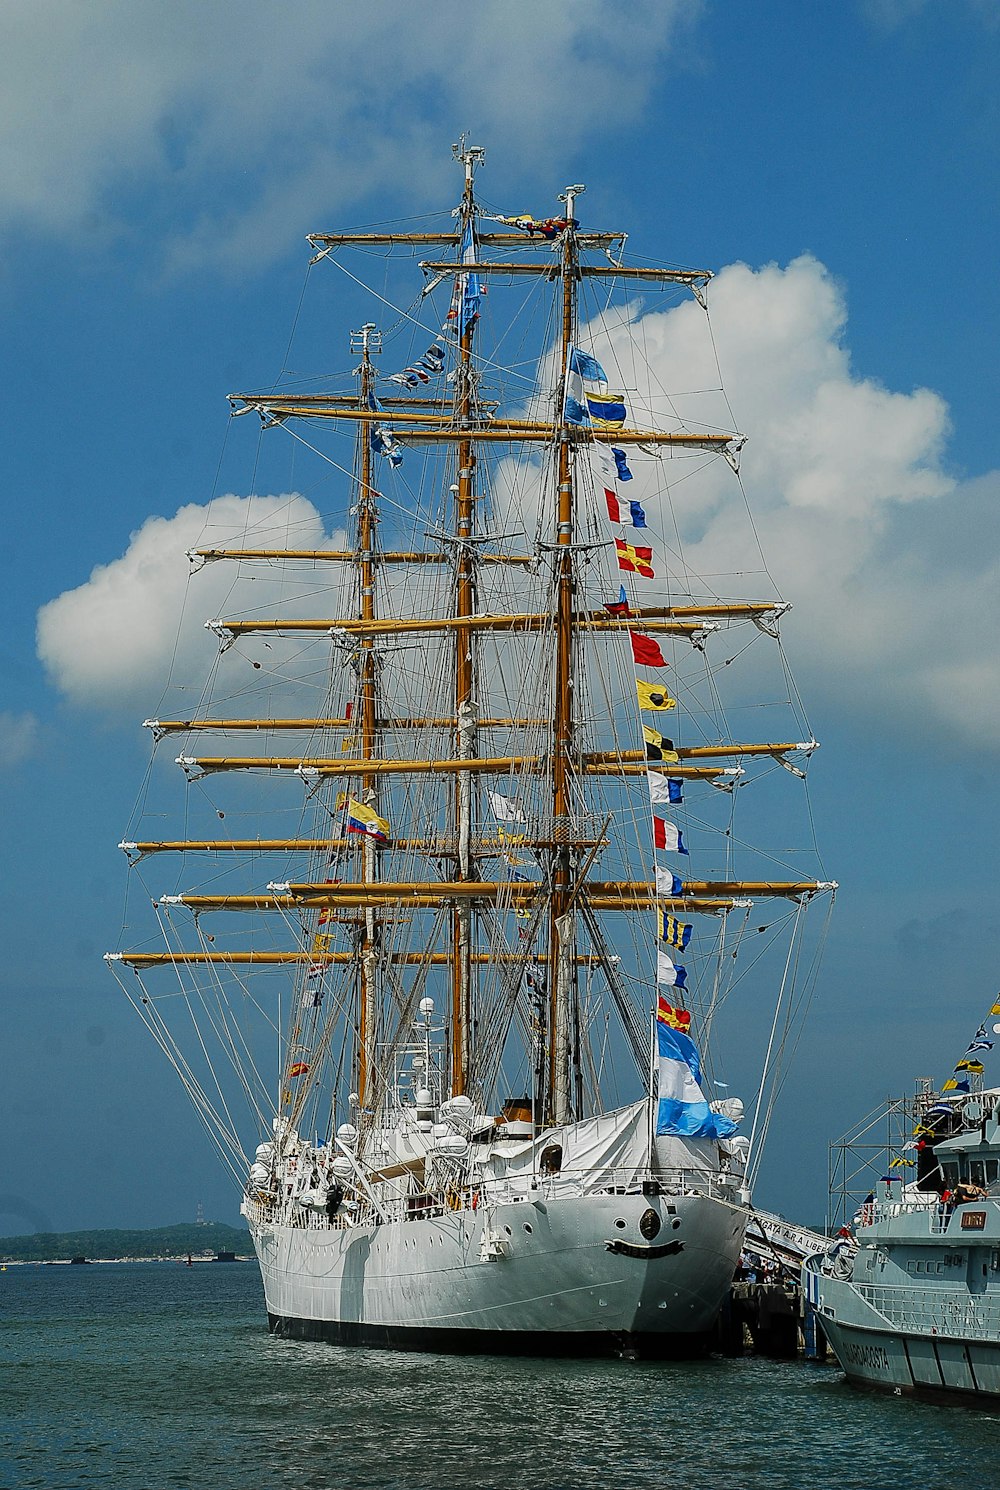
(658, 747)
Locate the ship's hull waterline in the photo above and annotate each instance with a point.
(557, 1276)
(935, 1367)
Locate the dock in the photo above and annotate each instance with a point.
(766, 1312)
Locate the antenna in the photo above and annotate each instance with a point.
(470, 155)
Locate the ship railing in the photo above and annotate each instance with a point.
(262, 1209)
(571, 1184)
(886, 1210)
(928, 1310)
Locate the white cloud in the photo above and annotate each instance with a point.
(116, 639)
(281, 114)
(880, 549)
(18, 737)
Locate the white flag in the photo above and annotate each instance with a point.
(504, 810)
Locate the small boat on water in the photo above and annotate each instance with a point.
(445, 963)
(911, 1301)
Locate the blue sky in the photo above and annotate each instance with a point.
(159, 168)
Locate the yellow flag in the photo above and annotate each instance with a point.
(658, 747)
(653, 697)
(322, 942)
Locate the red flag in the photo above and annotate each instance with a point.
(634, 560)
(678, 1019)
(646, 651)
(299, 1069)
(614, 511)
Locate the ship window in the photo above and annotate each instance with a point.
(995, 1261)
(977, 1173)
(950, 1174)
(992, 1169)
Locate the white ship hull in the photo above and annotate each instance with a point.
(558, 1275)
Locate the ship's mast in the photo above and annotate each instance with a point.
(367, 665)
(465, 594)
(376, 893)
(561, 920)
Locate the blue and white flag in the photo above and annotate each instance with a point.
(574, 403)
(383, 441)
(668, 884)
(587, 366)
(682, 1107)
(664, 790)
(980, 1041)
(668, 973)
(472, 285)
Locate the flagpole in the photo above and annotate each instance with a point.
(652, 1085)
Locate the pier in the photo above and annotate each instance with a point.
(766, 1312)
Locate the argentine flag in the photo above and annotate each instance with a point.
(682, 1107)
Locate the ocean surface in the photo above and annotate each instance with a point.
(153, 1375)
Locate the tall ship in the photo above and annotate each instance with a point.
(459, 972)
(910, 1298)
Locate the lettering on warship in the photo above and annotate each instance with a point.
(973, 1220)
(873, 1357)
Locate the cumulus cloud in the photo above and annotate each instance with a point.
(896, 596)
(18, 737)
(114, 640)
(281, 115)
(861, 526)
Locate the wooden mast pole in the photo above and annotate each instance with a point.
(368, 688)
(561, 934)
(465, 606)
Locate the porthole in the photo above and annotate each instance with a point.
(620, 1223)
(527, 1227)
(508, 1230)
(676, 1222)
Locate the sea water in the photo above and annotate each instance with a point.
(148, 1376)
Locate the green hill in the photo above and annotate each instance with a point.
(163, 1241)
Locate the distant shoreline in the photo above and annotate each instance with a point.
(202, 1240)
(67, 1262)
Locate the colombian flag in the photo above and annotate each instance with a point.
(362, 819)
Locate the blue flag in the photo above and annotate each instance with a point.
(586, 366)
(606, 411)
(624, 474)
(638, 515)
(472, 287)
